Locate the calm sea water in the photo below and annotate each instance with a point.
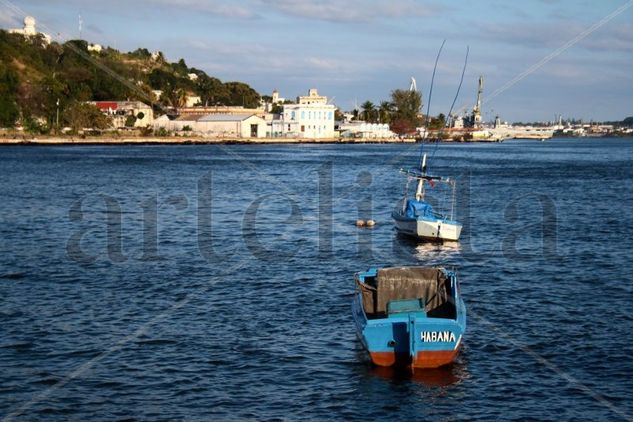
(160, 282)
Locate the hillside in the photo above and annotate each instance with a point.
(33, 76)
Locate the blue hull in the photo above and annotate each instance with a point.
(412, 338)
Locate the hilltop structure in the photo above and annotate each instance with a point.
(30, 30)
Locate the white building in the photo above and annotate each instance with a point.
(122, 110)
(311, 117)
(366, 130)
(29, 30)
(275, 100)
(217, 125)
(193, 100)
(97, 48)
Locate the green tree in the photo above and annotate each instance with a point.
(175, 98)
(80, 115)
(438, 122)
(369, 111)
(9, 111)
(33, 126)
(240, 94)
(181, 67)
(407, 108)
(211, 91)
(385, 111)
(160, 79)
(130, 120)
(141, 53)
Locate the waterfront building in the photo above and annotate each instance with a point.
(204, 110)
(312, 117)
(30, 30)
(216, 125)
(122, 110)
(365, 130)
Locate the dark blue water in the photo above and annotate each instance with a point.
(201, 282)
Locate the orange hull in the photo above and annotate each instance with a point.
(426, 359)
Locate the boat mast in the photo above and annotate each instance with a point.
(453, 199)
(419, 194)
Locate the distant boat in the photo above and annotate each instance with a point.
(416, 217)
(409, 316)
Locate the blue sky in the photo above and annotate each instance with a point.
(359, 50)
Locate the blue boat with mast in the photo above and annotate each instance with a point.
(413, 215)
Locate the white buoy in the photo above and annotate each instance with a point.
(360, 223)
(370, 223)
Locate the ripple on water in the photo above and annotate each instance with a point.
(253, 320)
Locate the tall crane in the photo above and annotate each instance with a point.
(477, 108)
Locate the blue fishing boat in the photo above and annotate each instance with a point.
(416, 217)
(409, 316)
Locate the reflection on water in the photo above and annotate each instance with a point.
(426, 252)
(438, 377)
(275, 340)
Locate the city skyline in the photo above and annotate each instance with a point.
(542, 59)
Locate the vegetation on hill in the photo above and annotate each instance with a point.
(35, 76)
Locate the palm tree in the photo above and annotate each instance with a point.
(368, 111)
(181, 98)
(384, 111)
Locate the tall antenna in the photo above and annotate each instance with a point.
(81, 22)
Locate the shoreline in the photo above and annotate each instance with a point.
(153, 140)
(173, 140)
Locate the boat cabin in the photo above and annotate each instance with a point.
(395, 291)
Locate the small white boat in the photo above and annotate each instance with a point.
(416, 217)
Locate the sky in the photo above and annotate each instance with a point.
(539, 58)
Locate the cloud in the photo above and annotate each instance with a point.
(95, 29)
(617, 38)
(351, 10)
(554, 34)
(211, 7)
(235, 57)
(9, 19)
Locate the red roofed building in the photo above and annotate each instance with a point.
(121, 111)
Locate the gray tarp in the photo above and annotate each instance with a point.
(430, 284)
